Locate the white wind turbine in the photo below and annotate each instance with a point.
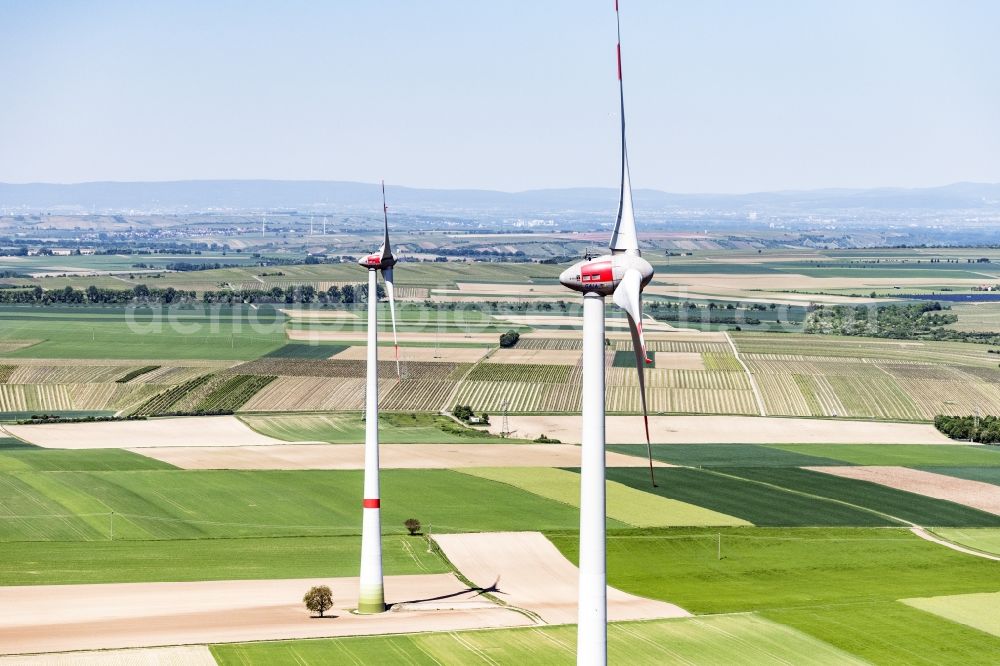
(621, 275)
(371, 598)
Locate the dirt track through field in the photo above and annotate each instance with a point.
(214, 431)
(391, 456)
(976, 494)
(731, 430)
(53, 618)
(532, 574)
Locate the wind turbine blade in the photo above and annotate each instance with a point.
(624, 237)
(628, 296)
(389, 290)
(386, 251)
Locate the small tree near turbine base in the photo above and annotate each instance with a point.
(413, 525)
(319, 599)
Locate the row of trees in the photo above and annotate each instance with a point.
(305, 293)
(922, 320)
(95, 295)
(985, 430)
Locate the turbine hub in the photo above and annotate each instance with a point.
(602, 274)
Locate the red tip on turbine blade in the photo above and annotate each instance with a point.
(649, 361)
(371, 503)
(616, 5)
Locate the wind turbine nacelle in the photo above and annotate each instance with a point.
(377, 261)
(602, 274)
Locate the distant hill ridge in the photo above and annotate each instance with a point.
(307, 195)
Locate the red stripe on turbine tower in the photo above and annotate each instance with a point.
(371, 503)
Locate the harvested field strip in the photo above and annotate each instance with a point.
(222, 504)
(973, 610)
(163, 402)
(202, 559)
(132, 374)
(975, 494)
(910, 455)
(232, 393)
(702, 640)
(504, 372)
(725, 455)
(782, 568)
(986, 539)
(908, 506)
(312, 394)
(755, 503)
(888, 632)
(626, 504)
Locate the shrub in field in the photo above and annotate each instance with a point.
(413, 525)
(463, 412)
(985, 430)
(132, 374)
(509, 339)
(542, 439)
(318, 599)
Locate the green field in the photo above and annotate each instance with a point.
(906, 455)
(892, 633)
(27, 457)
(975, 610)
(726, 455)
(984, 474)
(753, 502)
(783, 568)
(177, 332)
(627, 505)
(875, 497)
(349, 428)
(63, 563)
(981, 538)
(305, 350)
(702, 640)
(174, 504)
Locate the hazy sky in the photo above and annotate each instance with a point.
(722, 96)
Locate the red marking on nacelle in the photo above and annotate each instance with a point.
(370, 503)
(600, 271)
(374, 259)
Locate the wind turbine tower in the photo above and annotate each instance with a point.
(371, 598)
(622, 274)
